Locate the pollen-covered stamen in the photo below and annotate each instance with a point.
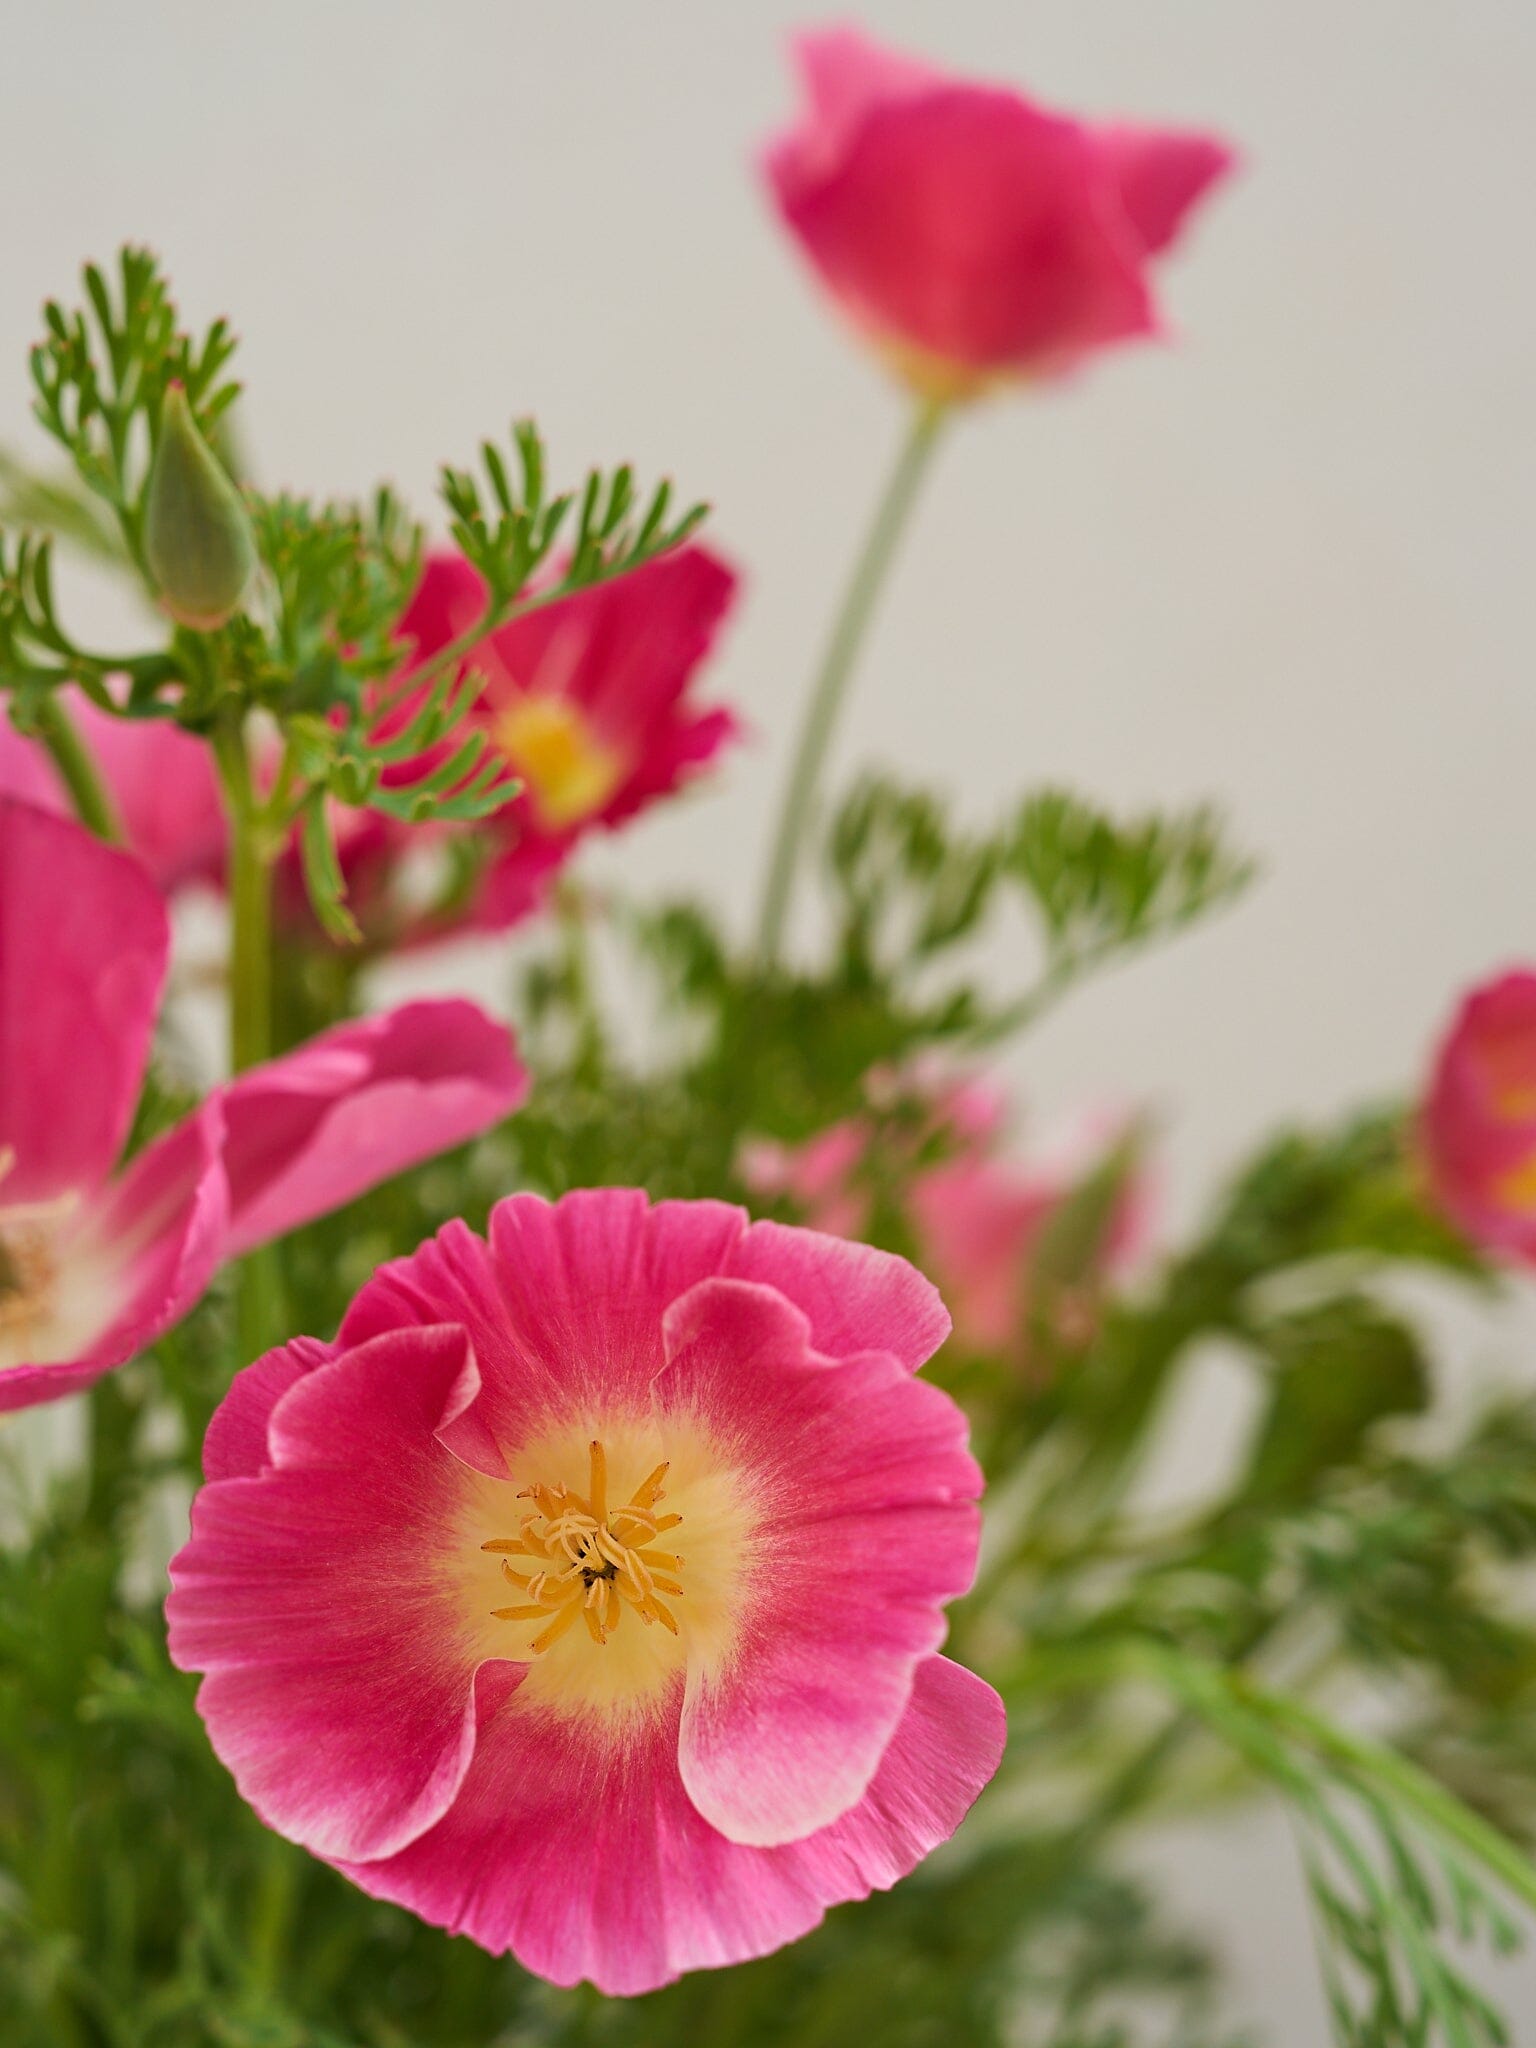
(29, 1260)
(598, 1557)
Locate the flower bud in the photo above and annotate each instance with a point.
(197, 532)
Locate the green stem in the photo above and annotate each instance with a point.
(831, 686)
(77, 766)
(252, 850)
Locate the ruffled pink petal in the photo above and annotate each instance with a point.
(146, 1248)
(1161, 173)
(339, 1667)
(860, 1479)
(857, 1298)
(564, 1307)
(312, 1130)
(236, 1445)
(585, 1858)
(972, 228)
(83, 946)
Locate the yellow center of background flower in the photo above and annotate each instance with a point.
(549, 742)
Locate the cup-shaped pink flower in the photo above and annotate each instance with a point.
(586, 1595)
(96, 1262)
(973, 236)
(1477, 1125)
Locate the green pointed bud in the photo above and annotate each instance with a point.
(197, 532)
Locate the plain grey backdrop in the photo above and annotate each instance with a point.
(1285, 563)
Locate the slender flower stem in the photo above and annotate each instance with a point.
(77, 766)
(252, 850)
(250, 890)
(831, 686)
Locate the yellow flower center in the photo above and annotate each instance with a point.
(594, 1560)
(29, 1266)
(1516, 1188)
(549, 743)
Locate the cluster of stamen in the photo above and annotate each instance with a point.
(29, 1267)
(594, 1560)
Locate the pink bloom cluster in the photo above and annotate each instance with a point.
(1477, 1127)
(586, 700)
(976, 1219)
(970, 234)
(585, 1595)
(95, 1262)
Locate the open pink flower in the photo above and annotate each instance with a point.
(1477, 1127)
(162, 783)
(586, 699)
(973, 236)
(585, 1596)
(95, 1263)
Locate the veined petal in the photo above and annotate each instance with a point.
(862, 1495)
(321, 1599)
(857, 1298)
(564, 1307)
(310, 1131)
(527, 1858)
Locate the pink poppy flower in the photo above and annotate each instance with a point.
(95, 1263)
(972, 235)
(585, 1596)
(587, 700)
(1477, 1126)
(162, 782)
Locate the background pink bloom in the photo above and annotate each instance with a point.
(448, 1644)
(1477, 1126)
(95, 1264)
(162, 782)
(587, 699)
(971, 234)
(931, 1147)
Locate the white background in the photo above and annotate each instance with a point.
(1286, 563)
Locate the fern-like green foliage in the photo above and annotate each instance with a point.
(316, 649)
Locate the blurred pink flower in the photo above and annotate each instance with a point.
(162, 783)
(973, 236)
(96, 1263)
(1477, 1126)
(448, 1643)
(975, 1217)
(587, 701)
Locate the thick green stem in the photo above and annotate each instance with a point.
(77, 766)
(831, 686)
(258, 1283)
